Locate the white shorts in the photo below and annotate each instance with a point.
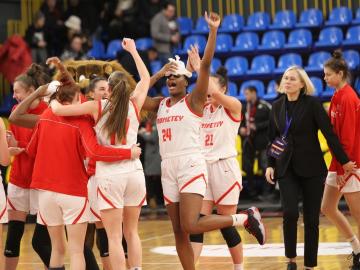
(123, 189)
(225, 182)
(22, 199)
(183, 174)
(93, 200)
(62, 209)
(3, 212)
(352, 182)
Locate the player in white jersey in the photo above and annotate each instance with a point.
(121, 185)
(184, 173)
(4, 161)
(219, 128)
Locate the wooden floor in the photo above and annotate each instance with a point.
(155, 233)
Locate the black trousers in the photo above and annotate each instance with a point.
(311, 190)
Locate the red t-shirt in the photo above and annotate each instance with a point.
(59, 146)
(344, 113)
(22, 166)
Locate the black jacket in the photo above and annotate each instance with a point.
(259, 137)
(303, 152)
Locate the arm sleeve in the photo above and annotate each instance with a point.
(323, 122)
(99, 152)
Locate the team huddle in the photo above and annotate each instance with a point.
(77, 162)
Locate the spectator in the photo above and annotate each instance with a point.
(152, 163)
(73, 25)
(75, 50)
(149, 8)
(36, 38)
(164, 31)
(124, 21)
(253, 131)
(53, 25)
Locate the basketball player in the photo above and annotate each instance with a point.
(121, 185)
(220, 125)
(184, 172)
(344, 113)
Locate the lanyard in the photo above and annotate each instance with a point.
(287, 126)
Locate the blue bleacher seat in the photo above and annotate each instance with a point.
(356, 20)
(310, 18)
(165, 91)
(329, 37)
(299, 39)
(258, 21)
(223, 43)
(352, 59)
(328, 92)
(215, 64)
(142, 44)
(185, 25)
(113, 48)
(201, 26)
(191, 87)
(262, 64)
(236, 66)
(232, 89)
(318, 85)
(259, 85)
(272, 40)
(232, 23)
(155, 66)
(246, 42)
(98, 49)
(192, 40)
(339, 16)
(6, 104)
(284, 19)
(317, 60)
(357, 84)
(287, 60)
(271, 92)
(352, 36)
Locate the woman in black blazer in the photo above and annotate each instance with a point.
(296, 160)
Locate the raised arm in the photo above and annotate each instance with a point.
(167, 68)
(65, 76)
(20, 117)
(197, 98)
(88, 107)
(142, 86)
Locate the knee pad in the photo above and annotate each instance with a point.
(231, 236)
(13, 239)
(199, 237)
(102, 242)
(41, 243)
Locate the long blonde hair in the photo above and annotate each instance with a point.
(308, 88)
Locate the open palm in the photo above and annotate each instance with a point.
(213, 20)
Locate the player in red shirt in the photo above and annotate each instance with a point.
(4, 161)
(21, 199)
(344, 113)
(117, 122)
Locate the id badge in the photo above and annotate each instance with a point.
(277, 147)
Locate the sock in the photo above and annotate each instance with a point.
(239, 266)
(355, 244)
(239, 219)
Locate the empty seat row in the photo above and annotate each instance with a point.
(329, 37)
(260, 21)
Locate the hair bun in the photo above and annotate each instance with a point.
(33, 70)
(222, 71)
(338, 54)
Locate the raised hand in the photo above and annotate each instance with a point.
(128, 44)
(194, 58)
(168, 69)
(53, 61)
(213, 20)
